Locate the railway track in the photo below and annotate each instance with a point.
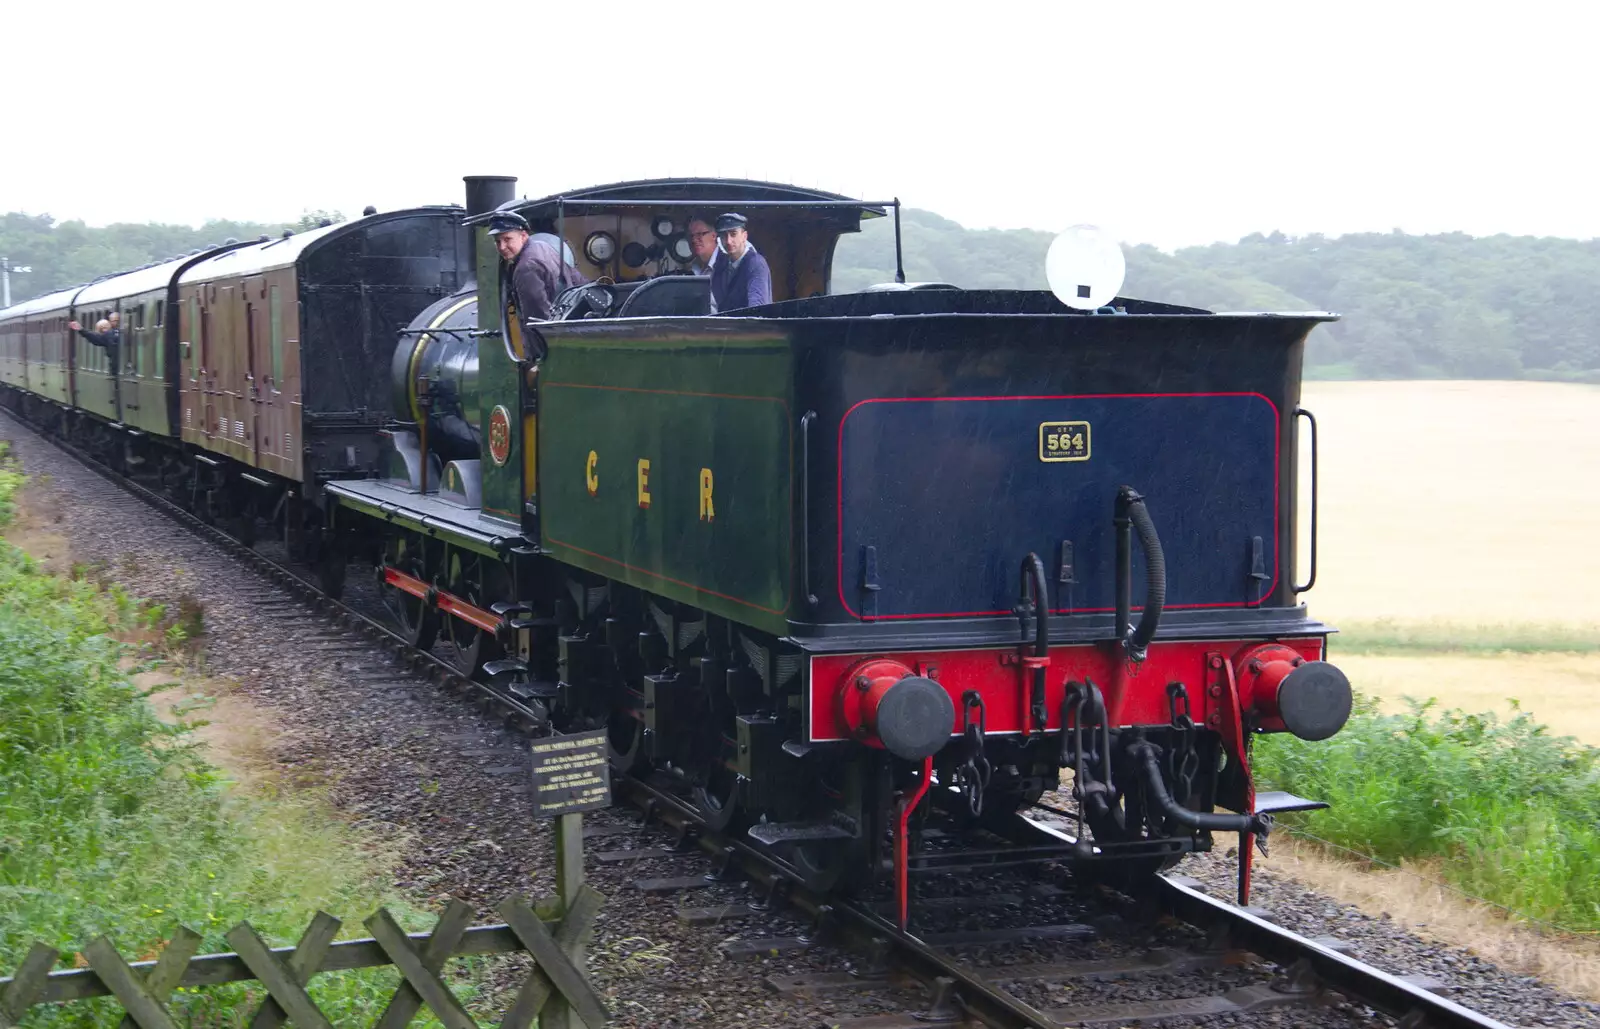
(926, 976)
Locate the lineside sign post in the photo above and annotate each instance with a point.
(571, 775)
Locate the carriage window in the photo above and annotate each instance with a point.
(275, 314)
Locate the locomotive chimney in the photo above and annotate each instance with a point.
(487, 192)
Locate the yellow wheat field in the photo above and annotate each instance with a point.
(1464, 503)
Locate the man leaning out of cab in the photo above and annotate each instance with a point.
(539, 270)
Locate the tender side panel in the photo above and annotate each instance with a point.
(1136, 694)
(951, 493)
(675, 491)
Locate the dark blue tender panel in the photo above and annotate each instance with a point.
(951, 494)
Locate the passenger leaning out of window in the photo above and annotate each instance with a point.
(740, 277)
(107, 331)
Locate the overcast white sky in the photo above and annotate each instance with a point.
(1169, 123)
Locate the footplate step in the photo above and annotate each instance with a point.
(1272, 802)
(774, 833)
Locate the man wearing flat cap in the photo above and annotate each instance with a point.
(541, 266)
(740, 277)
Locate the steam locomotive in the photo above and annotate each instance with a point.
(847, 566)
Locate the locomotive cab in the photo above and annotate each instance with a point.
(625, 237)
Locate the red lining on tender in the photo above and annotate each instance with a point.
(1277, 461)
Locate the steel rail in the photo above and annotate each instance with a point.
(1390, 994)
(989, 1004)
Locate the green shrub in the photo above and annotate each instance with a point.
(112, 822)
(1511, 812)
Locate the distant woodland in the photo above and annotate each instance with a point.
(1446, 306)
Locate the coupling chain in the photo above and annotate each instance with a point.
(975, 771)
(1185, 758)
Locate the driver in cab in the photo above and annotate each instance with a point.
(541, 265)
(740, 277)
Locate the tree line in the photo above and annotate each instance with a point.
(1440, 306)
(63, 254)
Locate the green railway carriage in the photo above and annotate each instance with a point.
(35, 342)
(130, 388)
(41, 356)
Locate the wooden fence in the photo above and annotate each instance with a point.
(557, 986)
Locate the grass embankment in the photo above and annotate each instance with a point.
(1501, 809)
(1453, 571)
(1395, 637)
(113, 822)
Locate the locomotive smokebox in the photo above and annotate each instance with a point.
(887, 705)
(487, 192)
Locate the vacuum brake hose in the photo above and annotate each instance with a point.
(1149, 759)
(1155, 563)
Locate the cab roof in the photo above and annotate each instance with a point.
(711, 194)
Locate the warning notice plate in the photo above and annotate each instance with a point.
(570, 774)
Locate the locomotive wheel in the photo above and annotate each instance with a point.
(716, 786)
(418, 622)
(821, 865)
(625, 742)
(717, 796)
(330, 572)
(472, 645)
(245, 526)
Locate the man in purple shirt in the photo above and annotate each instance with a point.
(740, 277)
(537, 272)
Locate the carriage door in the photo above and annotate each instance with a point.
(120, 357)
(133, 363)
(258, 392)
(208, 371)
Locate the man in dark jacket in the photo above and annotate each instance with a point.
(539, 271)
(740, 277)
(108, 333)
